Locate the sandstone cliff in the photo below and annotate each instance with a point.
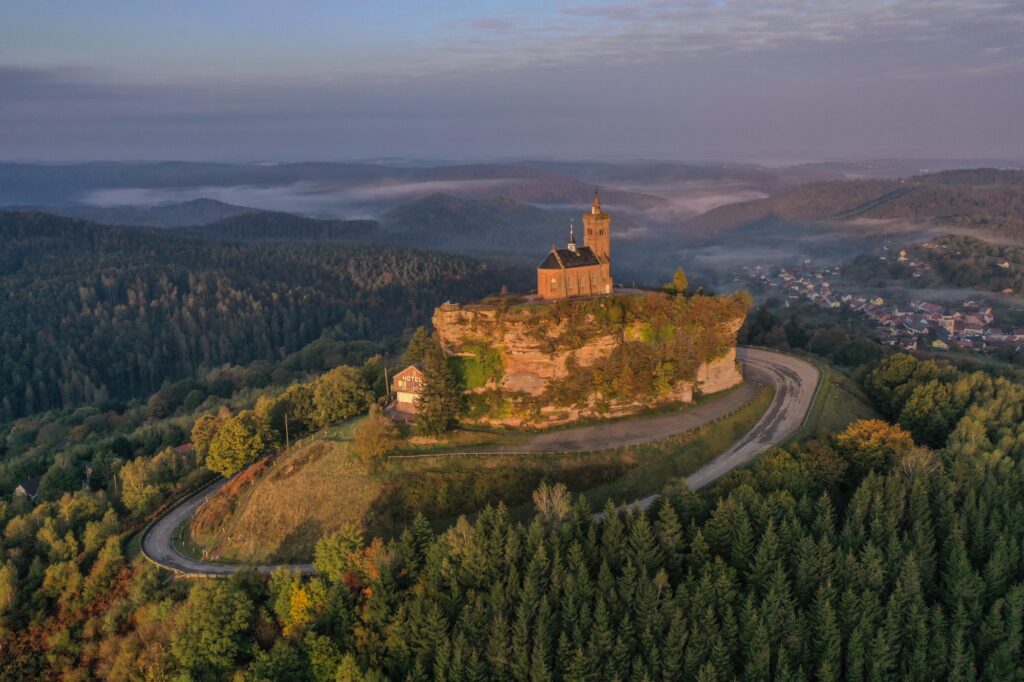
(555, 362)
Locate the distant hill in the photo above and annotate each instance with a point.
(983, 198)
(495, 227)
(195, 212)
(661, 172)
(372, 187)
(445, 221)
(274, 226)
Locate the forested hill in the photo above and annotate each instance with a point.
(273, 226)
(455, 224)
(193, 212)
(981, 198)
(89, 312)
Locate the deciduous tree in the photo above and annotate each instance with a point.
(376, 436)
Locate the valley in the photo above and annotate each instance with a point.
(208, 338)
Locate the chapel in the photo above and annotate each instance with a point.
(580, 270)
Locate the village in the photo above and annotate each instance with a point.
(915, 324)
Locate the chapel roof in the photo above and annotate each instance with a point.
(564, 258)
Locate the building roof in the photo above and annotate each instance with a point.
(31, 486)
(414, 368)
(564, 258)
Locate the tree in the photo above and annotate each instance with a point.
(376, 436)
(873, 444)
(679, 282)
(340, 394)
(553, 502)
(208, 627)
(334, 554)
(240, 441)
(891, 373)
(205, 429)
(440, 397)
(418, 347)
(930, 413)
(8, 588)
(301, 409)
(145, 479)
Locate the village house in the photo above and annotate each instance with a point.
(28, 488)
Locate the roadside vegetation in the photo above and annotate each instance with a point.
(277, 512)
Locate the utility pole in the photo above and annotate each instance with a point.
(287, 441)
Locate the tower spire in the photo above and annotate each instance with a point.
(572, 238)
(595, 208)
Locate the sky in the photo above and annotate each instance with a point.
(286, 80)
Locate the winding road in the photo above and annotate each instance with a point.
(795, 381)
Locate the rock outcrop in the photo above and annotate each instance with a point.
(542, 350)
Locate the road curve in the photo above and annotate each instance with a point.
(158, 545)
(796, 384)
(795, 381)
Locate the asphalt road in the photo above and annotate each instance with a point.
(795, 381)
(158, 546)
(625, 432)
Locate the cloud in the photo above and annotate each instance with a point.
(695, 79)
(646, 31)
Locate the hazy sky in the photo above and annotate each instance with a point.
(683, 79)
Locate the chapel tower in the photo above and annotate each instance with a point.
(597, 231)
(580, 270)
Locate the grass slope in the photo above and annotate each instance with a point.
(277, 512)
(839, 402)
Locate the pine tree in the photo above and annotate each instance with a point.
(829, 663)
(498, 651)
(757, 655)
(419, 345)
(643, 546)
(602, 638)
(613, 541)
(856, 653)
(700, 552)
(670, 538)
(741, 546)
(520, 664)
(440, 397)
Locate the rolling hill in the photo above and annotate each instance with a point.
(985, 198)
(497, 224)
(275, 226)
(92, 312)
(179, 214)
(336, 189)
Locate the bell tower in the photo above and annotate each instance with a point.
(597, 230)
